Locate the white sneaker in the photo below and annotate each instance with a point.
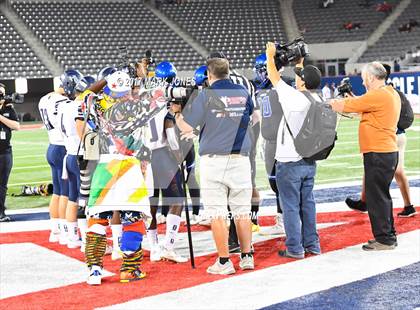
(155, 253)
(218, 268)
(54, 237)
(95, 275)
(172, 256)
(247, 263)
(277, 229)
(161, 219)
(116, 255)
(74, 244)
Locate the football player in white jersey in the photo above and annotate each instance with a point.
(48, 108)
(73, 83)
(166, 156)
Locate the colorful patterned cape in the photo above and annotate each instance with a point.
(118, 184)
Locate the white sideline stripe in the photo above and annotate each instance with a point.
(36, 268)
(287, 281)
(30, 167)
(29, 143)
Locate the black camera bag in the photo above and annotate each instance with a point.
(407, 114)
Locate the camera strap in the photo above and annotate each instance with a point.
(88, 104)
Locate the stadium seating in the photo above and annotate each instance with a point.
(395, 44)
(16, 58)
(323, 25)
(240, 28)
(87, 35)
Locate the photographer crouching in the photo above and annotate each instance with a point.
(380, 110)
(8, 122)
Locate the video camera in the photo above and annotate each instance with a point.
(12, 98)
(180, 95)
(344, 87)
(125, 64)
(286, 53)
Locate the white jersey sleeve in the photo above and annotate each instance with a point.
(67, 114)
(157, 138)
(48, 108)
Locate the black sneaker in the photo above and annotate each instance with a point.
(357, 205)
(4, 218)
(408, 211)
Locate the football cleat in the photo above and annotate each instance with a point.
(54, 237)
(171, 255)
(130, 276)
(155, 253)
(95, 275)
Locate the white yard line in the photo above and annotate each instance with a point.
(29, 156)
(30, 167)
(26, 183)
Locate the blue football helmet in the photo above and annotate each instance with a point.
(89, 80)
(200, 75)
(105, 72)
(72, 81)
(260, 67)
(165, 70)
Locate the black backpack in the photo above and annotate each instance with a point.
(318, 134)
(271, 113)
(407, 114)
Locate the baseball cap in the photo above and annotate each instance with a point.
(310, 75)
(388, 70)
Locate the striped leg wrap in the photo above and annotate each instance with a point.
(95, 249)
(87, 167)
(132, 262)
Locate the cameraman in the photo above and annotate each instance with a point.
(380, 110)
(295, 176)
(8, 122)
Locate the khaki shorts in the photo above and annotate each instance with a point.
(401, 142)
(225, 180)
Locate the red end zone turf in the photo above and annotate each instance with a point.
(165, 276)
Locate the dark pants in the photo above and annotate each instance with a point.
(6, 163)
(379, 172)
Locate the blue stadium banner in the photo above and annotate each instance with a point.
(407, 82)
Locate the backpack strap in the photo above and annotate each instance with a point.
(311, 99)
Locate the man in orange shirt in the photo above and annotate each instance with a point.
(380, 110)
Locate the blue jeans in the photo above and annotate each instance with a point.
(295, 182)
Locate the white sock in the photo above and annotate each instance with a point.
(82, 223)
(72, 231)
(55, 225)
(63, 226)
(172, 227)
(152, 236)
(116, 235)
